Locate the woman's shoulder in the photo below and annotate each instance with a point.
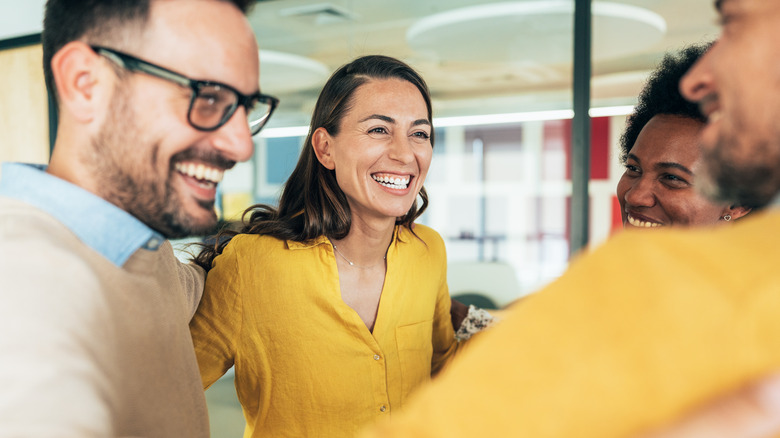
(265, 244)
(424, 232)
(254, 243)
(422, 236)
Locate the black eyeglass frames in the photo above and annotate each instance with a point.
(212, 103)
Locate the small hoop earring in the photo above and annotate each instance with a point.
(726, 217)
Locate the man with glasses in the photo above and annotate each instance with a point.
(156, 99)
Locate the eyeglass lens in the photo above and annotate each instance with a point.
(214, 105)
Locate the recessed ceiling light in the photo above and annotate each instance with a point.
(533, 30)
(284, 72)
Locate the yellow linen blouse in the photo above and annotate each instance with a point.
(305, 363)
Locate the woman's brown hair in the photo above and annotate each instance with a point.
(312, 204)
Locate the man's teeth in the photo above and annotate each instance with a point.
(200, 172)
(392, 182)
(642, 224)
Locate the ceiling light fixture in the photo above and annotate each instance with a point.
(478, 120)
(532, 30)
(282, 72)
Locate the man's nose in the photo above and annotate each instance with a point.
(234, 139)
(641, 193)
(699, 82)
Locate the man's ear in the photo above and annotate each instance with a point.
(736, 211)
(322, 142)
(77, 73)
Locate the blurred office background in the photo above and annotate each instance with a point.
(501, 81)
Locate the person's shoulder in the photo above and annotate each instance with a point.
(20, 219)
(722, 254)
(251, 249)
(422, 239)
(41, 261)
(747, 236)
(425, 233)
(27, 230)
(253, 242)
(752, 241)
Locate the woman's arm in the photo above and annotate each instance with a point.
(444, 343)
(216, 326)
(458, 312)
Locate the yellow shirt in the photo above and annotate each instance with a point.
(305, 363)
(634, 335)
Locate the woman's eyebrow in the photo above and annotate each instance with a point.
(392, 120)
(379, 117)
(667, 165)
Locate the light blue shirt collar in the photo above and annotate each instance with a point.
(102, 226)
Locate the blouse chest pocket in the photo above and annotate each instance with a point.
(415, 350)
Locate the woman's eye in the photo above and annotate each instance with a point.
(675, 180)
(421, 134)
(379, 130)
(632, 169)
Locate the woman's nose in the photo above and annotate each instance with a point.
(641, 193)
(401, 150)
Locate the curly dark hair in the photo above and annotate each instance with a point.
(312, 203)
(97, 21)
(661, 95)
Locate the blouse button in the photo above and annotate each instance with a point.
(376, 357)
(383, 408)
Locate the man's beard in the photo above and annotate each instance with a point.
(125, 163)
(729, 176)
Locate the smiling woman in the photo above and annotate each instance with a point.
(334, 306)
(662, 157)
(381, 152)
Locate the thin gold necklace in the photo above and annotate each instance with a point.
(350, 261)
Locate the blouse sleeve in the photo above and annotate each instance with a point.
(216, 326)
(444, 343)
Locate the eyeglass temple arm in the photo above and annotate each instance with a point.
(138, 65)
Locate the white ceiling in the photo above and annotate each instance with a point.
(20, 18)
(508, 62)
(504, 63)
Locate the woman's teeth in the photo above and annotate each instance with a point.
(204, 174)
(642, 224)
(392, 182)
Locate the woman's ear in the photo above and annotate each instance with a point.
(736, 211)
(76, 69)
(322, 142)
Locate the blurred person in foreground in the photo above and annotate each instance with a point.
(156, 99)
(650, 326)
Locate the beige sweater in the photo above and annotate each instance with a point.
(88, 349)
